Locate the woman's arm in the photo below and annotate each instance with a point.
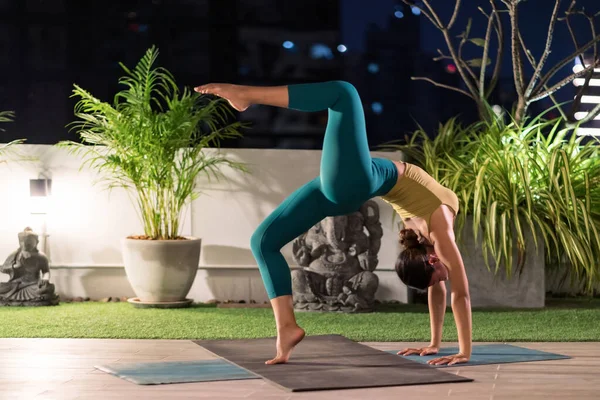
(447, 251)
(437, 309)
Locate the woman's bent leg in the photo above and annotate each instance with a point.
(346, 169)
(296, 215)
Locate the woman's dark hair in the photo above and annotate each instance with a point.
(412, 265)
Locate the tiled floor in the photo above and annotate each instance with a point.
(64, 369)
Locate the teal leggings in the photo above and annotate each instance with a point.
(348, 178)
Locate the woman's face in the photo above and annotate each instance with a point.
(440, 271)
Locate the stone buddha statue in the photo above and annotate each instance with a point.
(29, 283)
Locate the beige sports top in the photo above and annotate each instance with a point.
(417, 194)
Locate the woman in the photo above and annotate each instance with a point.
(348, 178)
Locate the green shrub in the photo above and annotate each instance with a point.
(510, 178)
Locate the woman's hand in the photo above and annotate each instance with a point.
(423, 351)
(450, 360)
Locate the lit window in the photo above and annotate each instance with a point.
(320, 50)
(377, 107)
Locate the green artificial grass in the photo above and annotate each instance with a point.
(561, 320)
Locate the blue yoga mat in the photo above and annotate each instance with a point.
(491, 354)
(157, 373)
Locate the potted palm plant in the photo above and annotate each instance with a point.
(151, 142)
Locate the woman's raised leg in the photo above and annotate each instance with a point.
(346, 169)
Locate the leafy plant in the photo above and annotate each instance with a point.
(473, 72)
(7, 116)
(511, 179)
(152, 140)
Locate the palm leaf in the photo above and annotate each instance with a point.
(7, 148)
(151, 141)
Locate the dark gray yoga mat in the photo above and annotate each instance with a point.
(492, 354)
(157, 373)
(327, 362)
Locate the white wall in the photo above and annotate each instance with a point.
(86, 223)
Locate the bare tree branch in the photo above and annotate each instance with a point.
(545, 53)
(425, 13)
(564, 62)
(577, 101)
(516, 54)
(499, 51)
(462, 71)
(568, 13)
(510, 3)
(442, 56)
(454, 15)
(527, 92)
(465, 37)
(484, 57)
(418, 78)
(590, 116)
(434, 14)
(583, 89)
(465, 73)
(533, 64)
(541, 94)
(579, 96)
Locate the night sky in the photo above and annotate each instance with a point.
(534, 18)
(42, 74)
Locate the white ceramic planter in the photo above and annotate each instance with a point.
(161, 271)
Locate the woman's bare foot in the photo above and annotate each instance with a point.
(287, 339)
(234, 94)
